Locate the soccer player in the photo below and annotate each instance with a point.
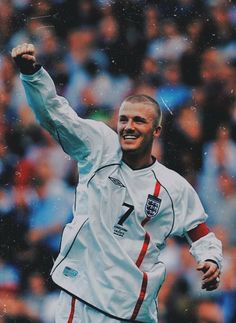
(127, 204)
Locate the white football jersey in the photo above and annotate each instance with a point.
(109, 255)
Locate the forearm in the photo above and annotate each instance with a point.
(207, 247)
(54, 113)
(42, 97)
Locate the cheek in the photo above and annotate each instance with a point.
(120, 127)
(148, 137)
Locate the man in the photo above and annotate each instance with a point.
(127, 204)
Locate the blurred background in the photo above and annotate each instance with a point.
(180, 52)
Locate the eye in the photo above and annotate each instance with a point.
(123, 119)
(139, 120)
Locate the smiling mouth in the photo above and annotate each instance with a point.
(129, 137)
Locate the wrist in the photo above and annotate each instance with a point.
(30, 69)
(215, 262)
(26, 66)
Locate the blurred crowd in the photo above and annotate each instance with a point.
(180, 52)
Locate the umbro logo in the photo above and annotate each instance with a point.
(116, 181)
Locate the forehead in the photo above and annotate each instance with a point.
(141, 109)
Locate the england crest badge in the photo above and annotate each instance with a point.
(152, 206)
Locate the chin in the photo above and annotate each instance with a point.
(129, 150)
(129, 147)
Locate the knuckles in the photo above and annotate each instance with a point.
(23, 49)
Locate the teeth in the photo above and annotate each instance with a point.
(129, 137)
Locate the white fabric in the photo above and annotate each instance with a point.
(97, 257)
(82, 312)
(207, 248)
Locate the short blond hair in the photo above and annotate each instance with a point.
(143, 98)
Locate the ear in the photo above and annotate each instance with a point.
(157, 131)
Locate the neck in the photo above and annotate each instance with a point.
(136, 162)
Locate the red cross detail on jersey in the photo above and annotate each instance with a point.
(143, 253)
(153, 204)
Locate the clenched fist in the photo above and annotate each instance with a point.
(24, 57)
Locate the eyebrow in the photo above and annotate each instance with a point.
(135, 118)
(138, 118)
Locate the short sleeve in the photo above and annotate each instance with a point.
(188, 208)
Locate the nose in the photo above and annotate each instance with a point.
(129, 125)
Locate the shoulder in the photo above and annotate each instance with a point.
(109, 137)
(169, 176)
(172, 181)
(100, 126)
(105, 146)
(105, 128)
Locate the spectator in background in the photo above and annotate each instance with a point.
(9, 276)
(102, 87)
(180, 304)
(150, 32)
(80, 43)
(188, 10)
(172, 93)
(113, 46)
(208, 311)
(233, 121)
(7, 21)
(227, 297)
(51, 55)
(39, 299)
(218, 97)
(107, 89)
(170, 46)
(49, 212)
(13, 104)
(133, 37)
(7, 73)
(6, 165)
(220, 153)
(190, 58)
(77, 14)
(221, 27)
(13, 308)
(223, 208)
(151, 23)
(33, 18)
(227, 204)
(150, 72)
(44, 147)
(183, 142)
(13, 210)
(164, 296)
(82, 63)
(218, 164)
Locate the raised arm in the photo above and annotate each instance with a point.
(78, 137)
